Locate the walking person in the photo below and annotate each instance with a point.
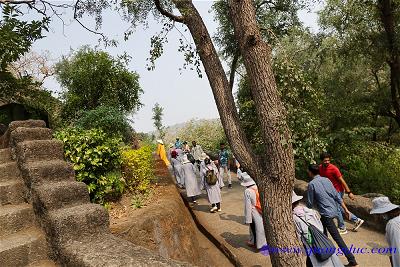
(252, 215)
(303, 216)
(321, 192)
(177, 169)
(213, 190)
(223, 160)
(330, 171)
(161, 152)
(171, 148)
(178, 144)
(197, 152)
(391, 214)
(191, 183)
(185, 147)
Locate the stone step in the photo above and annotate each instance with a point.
(46, 171)
(14, 218)
(28, 134)
(38, 150)
(56, 195)
(74, 223)
(43, 263)
(23, 248)
(5, 155)
(9, 171)
(12, 192)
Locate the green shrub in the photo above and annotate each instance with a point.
(138, 169)
(97, 161)
(369, 167)
(109, 119)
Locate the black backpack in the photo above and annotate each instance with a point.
(190, 158)
(321, 246)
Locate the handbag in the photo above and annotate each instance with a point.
(322, 247)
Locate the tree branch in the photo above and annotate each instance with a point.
(169, 15)
(85, 27)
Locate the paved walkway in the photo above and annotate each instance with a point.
(228, 227)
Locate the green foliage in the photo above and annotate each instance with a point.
(17, 36)
(302, 102)
(138, 169)
(97, 161)
(109, 119)
(207, 133)
(93, 78)
(370, 167)
(157, 118)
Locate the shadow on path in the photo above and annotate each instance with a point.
(237, 240)
(232, 217)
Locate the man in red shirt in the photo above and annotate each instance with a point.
(330, 171)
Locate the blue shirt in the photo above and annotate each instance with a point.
(321, 192)
(178, 144)
(223, 156)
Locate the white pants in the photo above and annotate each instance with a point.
(222, 171)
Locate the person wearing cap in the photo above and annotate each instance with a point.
(191, 184)
(301, 215)
(391, 213)
(323, 195)
(161, 152)
(330, 171)
(178, 144)
(177, 169)
(213, 191)
(252, 216)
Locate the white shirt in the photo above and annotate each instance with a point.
(393, 239)
(196, 152)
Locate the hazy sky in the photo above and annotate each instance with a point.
(181, 93)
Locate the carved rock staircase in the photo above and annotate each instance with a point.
(22, 242)
(40, 200)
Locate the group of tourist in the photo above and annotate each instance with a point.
(325, 193)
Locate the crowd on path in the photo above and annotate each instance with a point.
(194, 171)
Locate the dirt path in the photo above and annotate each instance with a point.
(228, 227)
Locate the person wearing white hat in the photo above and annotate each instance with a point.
(213, 190)
(191, 183)
(301, 216)
(391, 214)
(252, 215)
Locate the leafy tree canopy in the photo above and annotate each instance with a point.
(91, 78)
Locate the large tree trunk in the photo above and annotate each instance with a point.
(387, 9)
(278, 171)
(274, 173)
